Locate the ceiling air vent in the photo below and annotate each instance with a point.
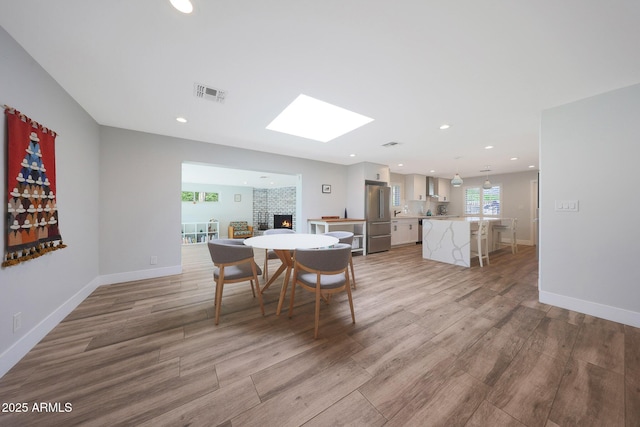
(209, 93)
(390, 144)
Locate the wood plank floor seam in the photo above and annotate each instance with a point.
(433, 344)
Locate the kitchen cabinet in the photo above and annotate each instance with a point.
(404, 231)
(376, 172)
(443, 189)
(357, 176)
(415, 187)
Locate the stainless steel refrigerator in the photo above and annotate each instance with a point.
(377, 211)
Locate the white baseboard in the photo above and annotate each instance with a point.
(17, 351)
(615, 314)
(130, 276)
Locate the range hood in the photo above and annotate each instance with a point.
(432, 187)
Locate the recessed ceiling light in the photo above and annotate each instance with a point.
(514, 158)
(488, 147)
(181, 119)
(400, 164)
(432, 171)
(352, 155)
(311, 118)
(444, 126)
(532, 166)
(183, 6)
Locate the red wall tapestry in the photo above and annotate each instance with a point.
(32, 212)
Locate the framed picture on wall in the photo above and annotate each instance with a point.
(326, 188)
(237, 197)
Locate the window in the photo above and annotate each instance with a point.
(210, 197)
(472, 201)
(491, 201)
(478, 201)
(199, 196)
(395, 195)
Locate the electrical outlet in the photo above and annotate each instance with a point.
(17, 321)
(153, 260)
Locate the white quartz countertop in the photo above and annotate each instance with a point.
(464, 218)
(424, 216)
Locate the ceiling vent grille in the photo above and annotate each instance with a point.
(209, 93)
(390, 144)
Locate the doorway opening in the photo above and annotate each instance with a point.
(241, 195)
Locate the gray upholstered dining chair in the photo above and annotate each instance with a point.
(347, 238)
(234, 263)
(269, 254)
(324, 272)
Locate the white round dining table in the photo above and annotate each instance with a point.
(282, 245)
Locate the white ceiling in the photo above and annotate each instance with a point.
(487, 67)
(206, 174)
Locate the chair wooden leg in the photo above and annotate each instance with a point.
(353, 315)
(353, 275)
(293, 297)
(218, 300)
(259, 295)
(253, 290)
(315, 334)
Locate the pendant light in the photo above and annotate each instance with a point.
(487, 184)
(457, 181)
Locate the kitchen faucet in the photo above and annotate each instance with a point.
(395, 213)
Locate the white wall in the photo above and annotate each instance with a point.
(589, 259)
(46, 289)
(150, 224)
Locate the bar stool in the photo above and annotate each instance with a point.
(509, 228)
(481, 235)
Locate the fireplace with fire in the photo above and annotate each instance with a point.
(283, 221)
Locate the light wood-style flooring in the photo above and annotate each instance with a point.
(433, 345)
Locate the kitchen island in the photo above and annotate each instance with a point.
(449, 239)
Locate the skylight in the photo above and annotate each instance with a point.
(318, 120)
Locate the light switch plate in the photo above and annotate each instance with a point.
(567, 205)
